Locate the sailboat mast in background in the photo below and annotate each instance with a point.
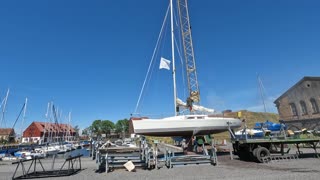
(261, 92)
(23, 118)
(4, 104)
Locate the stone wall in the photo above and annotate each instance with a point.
(304, 90)
(311, 124)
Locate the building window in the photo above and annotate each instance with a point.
(303, 108)
(314, 105)
(294, 109)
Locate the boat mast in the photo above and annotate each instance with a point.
(45, 124)
(4, 109)
(69, 122)
(173, 61)
(24, 118)
(261, 93)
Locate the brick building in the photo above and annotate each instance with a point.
(40, 132)
(7, 134)
(299, 106)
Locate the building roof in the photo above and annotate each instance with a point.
(306, 78)
(53, 127)
(6, 131)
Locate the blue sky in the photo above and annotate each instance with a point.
(90, 57)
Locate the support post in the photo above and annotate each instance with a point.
(107, 164)
(53, 161)
(93, 150)
(230, 150)
(298, 149)
(314, 146)
(231, 131)
(214, 158)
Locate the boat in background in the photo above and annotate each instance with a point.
(249, 133)
(260, 130)
(8, 158)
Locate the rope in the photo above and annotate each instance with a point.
(18, 115)
(151, 62)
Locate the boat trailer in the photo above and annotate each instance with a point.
(266, 149)
(74, 166)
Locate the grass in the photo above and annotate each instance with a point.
(167, 140)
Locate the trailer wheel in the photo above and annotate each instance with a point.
(244, 155)
(254, 152)
(262, 152)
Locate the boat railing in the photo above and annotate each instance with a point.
(151, 116)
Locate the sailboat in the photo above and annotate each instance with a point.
(183, 125)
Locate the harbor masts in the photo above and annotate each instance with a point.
(23, 118)
(46, 124)
(4, 108)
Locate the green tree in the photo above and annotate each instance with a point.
(106, 126)
(96, 127)
(76, 129)
(122, 126)
(87, 131)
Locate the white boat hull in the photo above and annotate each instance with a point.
(186, 125)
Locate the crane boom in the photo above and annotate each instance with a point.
(185, 27)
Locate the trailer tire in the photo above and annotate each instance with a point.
(244, 155)
(262, 152)
(254, 152)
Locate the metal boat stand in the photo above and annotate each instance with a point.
(74, 166)
(111, 158)
(208, 156)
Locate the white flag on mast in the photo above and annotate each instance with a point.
(164, 63)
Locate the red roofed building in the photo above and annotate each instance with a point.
(7, 134)
(40, 132)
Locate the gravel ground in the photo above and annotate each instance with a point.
(306, 168)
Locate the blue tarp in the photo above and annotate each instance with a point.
(269, 125)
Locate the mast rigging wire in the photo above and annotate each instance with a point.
(152, 59)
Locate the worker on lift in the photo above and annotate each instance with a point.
(189, 103)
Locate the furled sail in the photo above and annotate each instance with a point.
(195, 107)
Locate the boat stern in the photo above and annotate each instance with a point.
(132, 124)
